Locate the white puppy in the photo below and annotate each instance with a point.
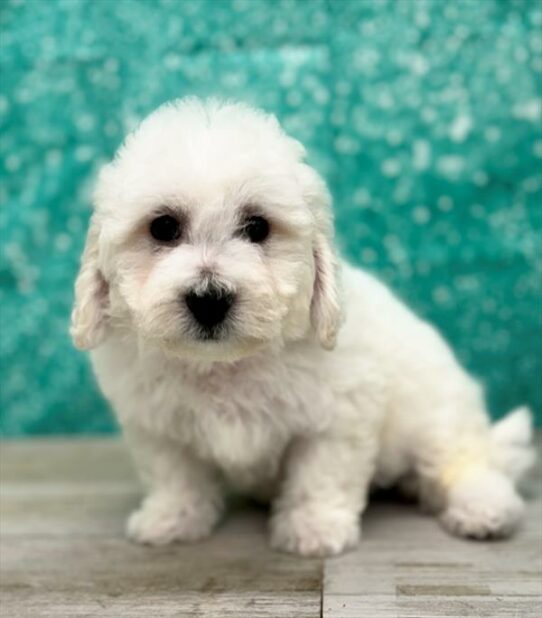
(211, 295)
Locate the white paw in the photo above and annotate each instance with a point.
(161, 520)
(483, 507)
(314, 530)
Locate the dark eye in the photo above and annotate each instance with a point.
(256, 228)
(165, 228)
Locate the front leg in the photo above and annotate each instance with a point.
(184, 500)
(324, 491)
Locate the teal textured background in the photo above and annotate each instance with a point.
(424, 116)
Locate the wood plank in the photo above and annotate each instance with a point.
(59, 460)
(434, 607)
(407, 565)
(63, 553)
(62, 510)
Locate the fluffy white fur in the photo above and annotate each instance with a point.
(293, 402)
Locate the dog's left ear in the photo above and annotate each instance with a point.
(89, 315)
(326, 306)
(326, 314)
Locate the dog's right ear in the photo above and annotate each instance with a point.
(89, 316)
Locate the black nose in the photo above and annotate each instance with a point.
(209, 308)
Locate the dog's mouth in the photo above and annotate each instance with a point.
(214, 334)
(220, 343)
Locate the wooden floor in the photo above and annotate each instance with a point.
(62, 509)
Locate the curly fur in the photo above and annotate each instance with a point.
(322, 384)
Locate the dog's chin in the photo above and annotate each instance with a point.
(206, 349)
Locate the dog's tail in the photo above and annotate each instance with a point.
(512, 449)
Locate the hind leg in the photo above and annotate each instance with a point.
(481, 503)
(470, 496)
(460, 459)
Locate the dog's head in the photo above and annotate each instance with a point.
(211, 237)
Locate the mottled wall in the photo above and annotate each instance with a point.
(423, 115)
